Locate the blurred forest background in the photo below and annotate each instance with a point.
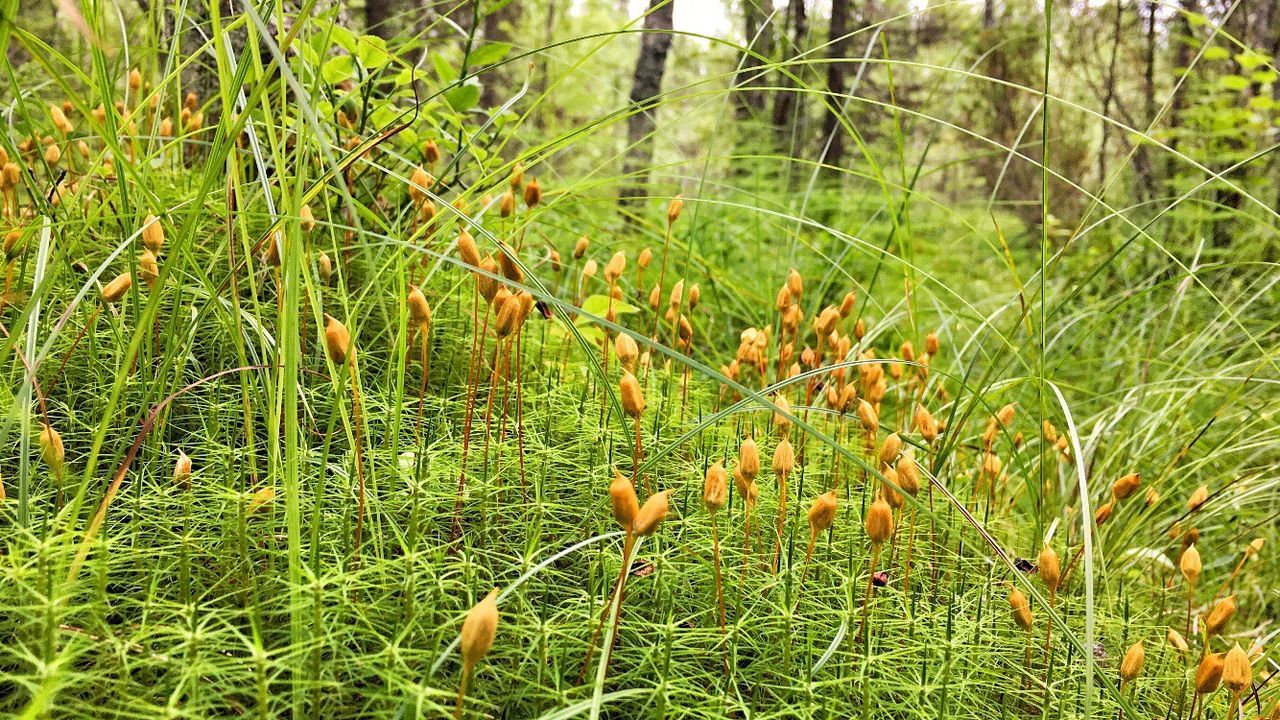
(1152, 103)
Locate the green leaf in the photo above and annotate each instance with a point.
(463, 97)
(1262, 103)
(337, 69)
(599, 305)
(1216, 53)
(343, 38)
(406, 76)
(1233, 82)
(1195, 19)
(1263, 77)
(444, 70)
(1250, 60)
(490, 53)
(372, 52)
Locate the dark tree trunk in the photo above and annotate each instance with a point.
(1142, 159)
(831, 142)
(498, 81)
(757, 34)
(651, 65)
(786, 107)
(377, 18)
(1110, 94)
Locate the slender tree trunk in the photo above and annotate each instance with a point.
(499, 84)
(1110, 94)
(377, 18)
(1142, 159)
(757, 36)
(651, 65)
(831, 141)
(786, 107)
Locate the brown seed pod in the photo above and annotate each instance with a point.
(1050, 568)
(532, 193)
(507, 204)
(1152, 497)
(781, 416)
(1198, 498)
(848, 303)
(908, 474)
(715, 488)
(1254, 547)
(1176, 641)
(925, 423)
(1131, 664)
(324, 266)
(117, 288)
(1237, 674)
(152, 233)
(622, 499)
(651, 514)
(890, 449)
(467, 249)
(615, 267)
(1220, 615)
(419, 309)
(795, 284)
(484, 282)
(479, 630)
(879, 522)
(510, 313)
(430, 152)
(1021, 609)
(822, 513)
(148, 268)
(580, 247)
(1190, 564)
(1103, 512)
(674, 207)
(749, 459)
(135, 79)
(182, 471)
(1209, 674)
(1125, 486)
(420, 181)
(867, 416)
(337, 339)
(889, 488)
(632, 396)
(627, 351)
(784, 457)
(507, 263)
(931, 344)
(517, 176)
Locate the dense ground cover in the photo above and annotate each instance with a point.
(300, 368)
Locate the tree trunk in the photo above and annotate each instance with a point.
(757, 36)
(1109, 96)
(831, 142)
(377, 18)
(786, 107)
(1142, 159)
(651, 64)
(499, 85)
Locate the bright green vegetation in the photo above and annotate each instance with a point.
(330, 540)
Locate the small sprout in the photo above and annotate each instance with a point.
(260, 499)
(182, 471)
